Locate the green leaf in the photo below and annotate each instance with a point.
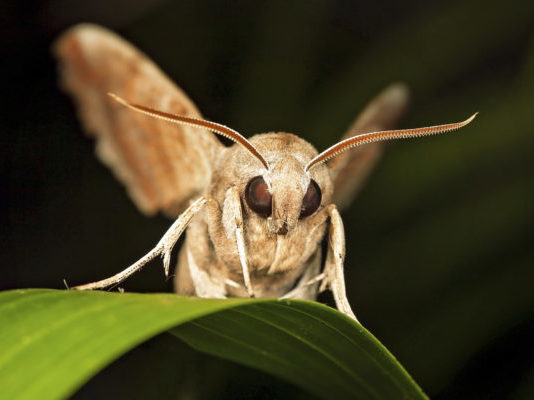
(51, 342)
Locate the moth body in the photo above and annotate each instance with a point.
(280, 247)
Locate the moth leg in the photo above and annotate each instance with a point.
(301, 291)
(163, 248)
(306, 288)
(333, 270)
(232, 219)
(205, 286)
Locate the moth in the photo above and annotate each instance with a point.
(255, 212)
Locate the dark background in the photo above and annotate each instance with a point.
(440, 257)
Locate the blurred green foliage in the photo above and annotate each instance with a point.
(439, 263)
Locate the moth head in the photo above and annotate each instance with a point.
(281, 197)
(285, 195)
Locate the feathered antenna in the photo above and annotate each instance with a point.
(220, 129)
(365, 138)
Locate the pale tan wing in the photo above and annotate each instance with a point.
(351, 168)
(162, 165)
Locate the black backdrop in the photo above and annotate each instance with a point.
(439, 263)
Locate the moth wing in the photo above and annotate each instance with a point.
(351, 168)
(162, 165)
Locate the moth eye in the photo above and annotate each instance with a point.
(311, 200)
(258, 197)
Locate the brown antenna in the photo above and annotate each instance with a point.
(365, 138)
(220, 129)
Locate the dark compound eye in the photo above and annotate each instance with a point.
(258, 197)
(311, 200)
